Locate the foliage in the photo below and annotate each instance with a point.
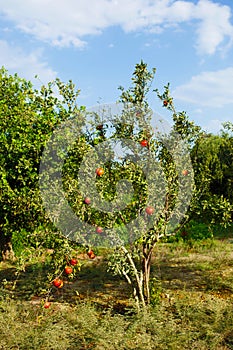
(212, 161)
(194, 230)
(27, 119)
(214, 156)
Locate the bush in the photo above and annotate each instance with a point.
(193, 231)
(197, 231)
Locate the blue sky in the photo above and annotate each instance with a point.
(97, 43)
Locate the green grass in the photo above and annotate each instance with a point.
(193, 309)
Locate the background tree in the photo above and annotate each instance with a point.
(212, 157)
(27, 119)
(212, 163)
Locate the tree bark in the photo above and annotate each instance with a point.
(139, 281)
(146, 263)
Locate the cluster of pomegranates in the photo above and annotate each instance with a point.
(58, 281)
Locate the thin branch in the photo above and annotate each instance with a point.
(127, 277)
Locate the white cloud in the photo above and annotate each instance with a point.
(68, 23)
(214, 27)
(210, 89)
(27, 65)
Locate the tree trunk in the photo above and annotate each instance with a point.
(146, 265)
(6, 247)
(138, 292)
(146, 279)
